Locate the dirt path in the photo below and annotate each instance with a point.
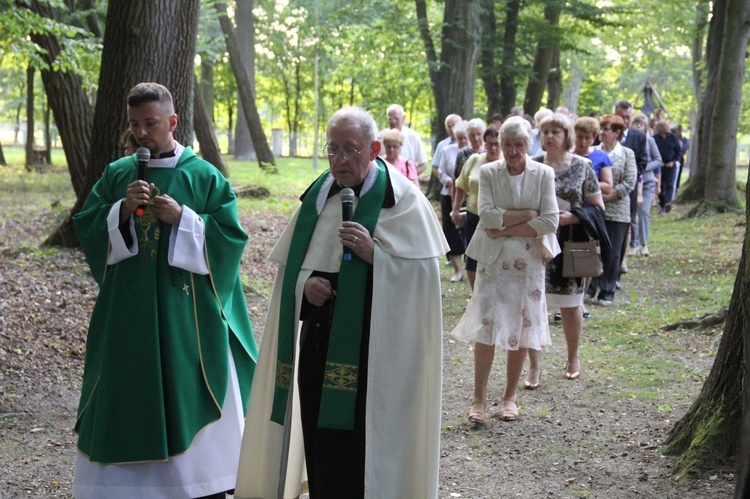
(585, 438)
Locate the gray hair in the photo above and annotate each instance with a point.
(395, 107)
(461, 127)
(360, 117)
(639, 118)
(541, 114)
(476, 124)
(514, 127)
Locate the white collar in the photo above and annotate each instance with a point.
(169, 162)
(372, 175)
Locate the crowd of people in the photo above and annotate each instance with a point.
(606, 175)
(344, 396)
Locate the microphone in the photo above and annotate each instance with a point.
(143, 155)
(347, 211)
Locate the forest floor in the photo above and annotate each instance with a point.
(599, 436)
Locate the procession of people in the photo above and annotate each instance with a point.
(343, 398)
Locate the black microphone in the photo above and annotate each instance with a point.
(347, 212)
(143, 155)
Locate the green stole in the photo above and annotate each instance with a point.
(339, 396)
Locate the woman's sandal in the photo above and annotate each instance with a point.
(476, 413)
(571, 375)
(509, 410)
(528, 385)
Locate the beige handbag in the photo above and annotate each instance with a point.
(582, 259)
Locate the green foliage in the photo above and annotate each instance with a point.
(371, 55)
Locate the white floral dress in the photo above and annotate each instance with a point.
(508, 307)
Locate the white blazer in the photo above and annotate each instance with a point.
(496, 196)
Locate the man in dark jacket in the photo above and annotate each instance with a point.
(670, 150)
(636, 141)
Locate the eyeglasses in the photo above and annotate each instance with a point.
(346, 152)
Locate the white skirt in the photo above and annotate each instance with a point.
(209, 466)
(508, 307)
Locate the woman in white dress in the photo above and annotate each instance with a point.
(515, 237)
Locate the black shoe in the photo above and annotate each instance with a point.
(558, 316)
(587, 315)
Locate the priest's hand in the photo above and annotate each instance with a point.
(167, 209)
(355, 237)
(318, 291)
(138, 194)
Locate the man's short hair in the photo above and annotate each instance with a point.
(452, 116)
(361, 117)
(623, 104)
(395, 107)
(146, 92)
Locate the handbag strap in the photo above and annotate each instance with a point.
(570, 233)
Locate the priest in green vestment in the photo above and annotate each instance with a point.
(170, 352)
(346, 395)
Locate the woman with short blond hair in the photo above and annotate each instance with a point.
(393, 139)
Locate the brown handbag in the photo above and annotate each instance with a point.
(582, 259)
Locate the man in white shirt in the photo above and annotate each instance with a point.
(412, 147)
(450, 121)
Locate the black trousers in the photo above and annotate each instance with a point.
(335, 458)
(618, 232)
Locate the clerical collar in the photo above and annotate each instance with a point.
(336, 188)
(168, 159)
(330, 187)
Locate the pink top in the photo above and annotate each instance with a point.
(407, 167)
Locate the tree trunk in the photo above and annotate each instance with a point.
(247, 95)
(573, 92)
(743, 472)
(67, 98)
(2, 157)
(694, 188)
(721, 193)
(243, 17)
(696, 47)
(453, 78)
(554, 82)
(204, 131)
(709, 434)
(508, 64)
(489, 73)
(29, 117)
(207, 88)
(47, 134)
(549, 40)
(145, 40)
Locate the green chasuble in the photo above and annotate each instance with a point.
(157, 351)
